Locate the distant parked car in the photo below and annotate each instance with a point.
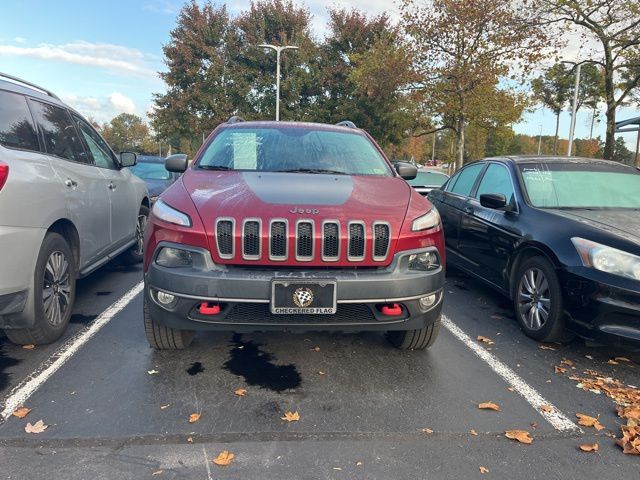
(427, 180)
(559, 236)
(67, 206)
(151, 169)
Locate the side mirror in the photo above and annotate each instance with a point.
(406, 170)
(176, 163)
(128, 159)
(494, 201)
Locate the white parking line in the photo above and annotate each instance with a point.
(555, 417)
(29, 385)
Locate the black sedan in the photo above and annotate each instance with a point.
(151, 170)
(559, 236)
(427, 180)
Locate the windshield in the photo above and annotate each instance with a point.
(570, 185)
(293, 150)
(428, 178)
(151, 171)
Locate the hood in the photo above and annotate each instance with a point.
(297, 196)
(623, 223)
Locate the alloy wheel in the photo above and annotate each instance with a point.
(534, 298)
(56, 291)
(140, 226)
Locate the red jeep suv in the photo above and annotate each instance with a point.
(296, 227)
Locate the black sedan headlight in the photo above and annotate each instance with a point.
(607, 259)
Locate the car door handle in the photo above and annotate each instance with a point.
(70, 183)
(111, 186)
(468, 210)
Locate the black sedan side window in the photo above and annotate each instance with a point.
(466, 180)
(496, 179)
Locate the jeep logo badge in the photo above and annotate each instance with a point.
(308, 211)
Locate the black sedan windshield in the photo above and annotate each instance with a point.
(298, 150)
(581, 185)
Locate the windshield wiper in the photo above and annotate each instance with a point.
(311, 170)
(214, 167)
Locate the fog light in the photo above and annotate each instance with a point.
(424, 261)
(428, 301)
(165, 298)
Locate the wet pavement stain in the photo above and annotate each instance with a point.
(5, 362)
(104, 293)
(255, 365)
(195, 368)
(82, 319)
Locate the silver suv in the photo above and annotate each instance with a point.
(67, 206)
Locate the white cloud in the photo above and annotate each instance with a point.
(19, 39)
(117, 59)
(122, 103)
(162, 6)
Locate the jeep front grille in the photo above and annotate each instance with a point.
(305, 240)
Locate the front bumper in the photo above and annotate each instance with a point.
(602, 307)
(244, 295)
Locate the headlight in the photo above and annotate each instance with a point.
(425, 261)
(607, 259)
(429, 220)
(174, 257)
(170, 215)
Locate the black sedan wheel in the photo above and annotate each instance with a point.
(538, 300)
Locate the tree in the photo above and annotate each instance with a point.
(461, 47)
(127, 132)
(552, 90)
(615, 26)
(620, 151)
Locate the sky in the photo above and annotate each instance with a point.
(102, 58)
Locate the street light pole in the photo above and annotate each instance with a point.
(278, 50)
(574, 110)
(540, 140)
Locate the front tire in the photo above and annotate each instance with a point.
(54, 290)
(418, 339)
(164, 338)
(136, 253)
(537, 300)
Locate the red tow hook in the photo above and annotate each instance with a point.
(393, 310)
(208, 308)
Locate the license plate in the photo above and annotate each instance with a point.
(315, 297)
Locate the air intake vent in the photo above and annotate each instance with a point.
(356, 241)
(381, 240)
(278, 240)
(304, 241)
(224, 237)
(330, 241)
(251, 240)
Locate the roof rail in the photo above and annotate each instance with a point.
(235, 119)
(32, 85)
(346, 123)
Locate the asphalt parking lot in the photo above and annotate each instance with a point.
(117, 409)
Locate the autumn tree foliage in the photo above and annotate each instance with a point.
(465, 50)
(128, 132)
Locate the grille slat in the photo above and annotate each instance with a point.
(331, 241)
(304, 241)
(224, 238)
(278, 240)
(381, 239)
(356, 241)
(251, 239)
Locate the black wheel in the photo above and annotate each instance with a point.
(136, 253)
(415, 339)
(165, 338)
(54, 293)
(537, 300)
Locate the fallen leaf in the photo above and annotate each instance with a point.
(473, 432)
(521, 436)
(194, 417)
(29, 347)
(546, 408)
(320, 372)
(587, 421)
(316, 349)
(630, 441)
(589, 357)
(152, 372)
(427, 430)
(484, 469)
(162, 407)
(631, 413)
(486, 340)
(510, 389)
(157, 472)
(291, 416)
(337, 468)
(241, 392)
(224, 458)
(559, 369)
(622, 359)
(613, 362)
(358, 464)
(534, 425)
(21, 412)
(589, 447)
(37, 427)
(566, 362)
(489, 406)
(545, 347)
(190, 440)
